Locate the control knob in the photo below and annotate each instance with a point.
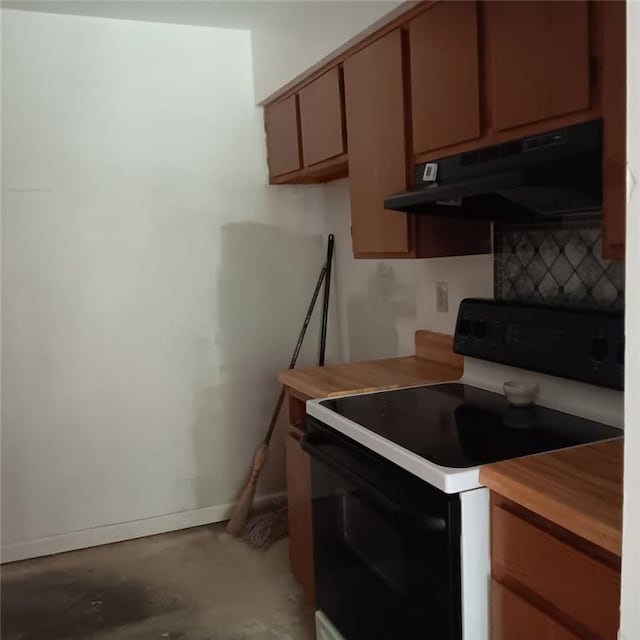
(480, 329)
(464, 327)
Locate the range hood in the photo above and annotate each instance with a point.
(554, 173)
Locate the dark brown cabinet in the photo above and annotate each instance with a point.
(283, 136)
(321, 118)
(374, 99)
(538, 53)
(299, 501)
(444, 75)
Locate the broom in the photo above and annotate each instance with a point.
(236, 524)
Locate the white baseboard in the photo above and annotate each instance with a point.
(124, 530)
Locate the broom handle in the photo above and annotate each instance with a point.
(325, 302)
(274, 417)
(296, 352)
(307, 318)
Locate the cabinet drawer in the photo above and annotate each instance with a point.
(513, 618)
(531, 560)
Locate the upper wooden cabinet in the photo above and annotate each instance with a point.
(443, 79)
(321, 118)
(444, 75)
(283, 137)
(377, 114)
(538, 53)
(374, 100)
(306, 140)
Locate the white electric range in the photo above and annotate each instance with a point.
(401, 521)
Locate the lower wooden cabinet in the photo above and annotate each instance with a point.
(299, 504)
(513, 618)
(547, 583)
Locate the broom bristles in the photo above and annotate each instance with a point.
(235, 526)
(263, 530)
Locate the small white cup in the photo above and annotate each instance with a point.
(520, 393)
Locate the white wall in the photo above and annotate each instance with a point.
(630, 610)
(290, 37)
(152, 283)
(382, 302)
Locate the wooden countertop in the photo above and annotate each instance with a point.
(579, 489)
(359, 377)
(434, 362)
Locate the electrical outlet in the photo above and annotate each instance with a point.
(442, 297)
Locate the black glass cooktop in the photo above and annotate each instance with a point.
(456, 425)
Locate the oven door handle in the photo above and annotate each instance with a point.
(428, 523)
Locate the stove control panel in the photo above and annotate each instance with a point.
(586, 345)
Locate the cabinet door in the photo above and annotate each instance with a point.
(538, 59)
(321, 118)
(513, 618)
(444, 75)
(283, 137)
(585, 589)
(614, 110)
(299, 507)
(375, 110)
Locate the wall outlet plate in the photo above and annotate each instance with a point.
(442, 297)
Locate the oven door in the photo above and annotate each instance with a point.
(386, 544)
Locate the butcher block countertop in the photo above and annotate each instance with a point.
(359, 377)
(434, 362)
(579, 489)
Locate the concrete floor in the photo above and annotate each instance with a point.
(198, 584)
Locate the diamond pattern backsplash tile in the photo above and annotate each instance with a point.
(557, 262)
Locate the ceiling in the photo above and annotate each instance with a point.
(227, 14)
